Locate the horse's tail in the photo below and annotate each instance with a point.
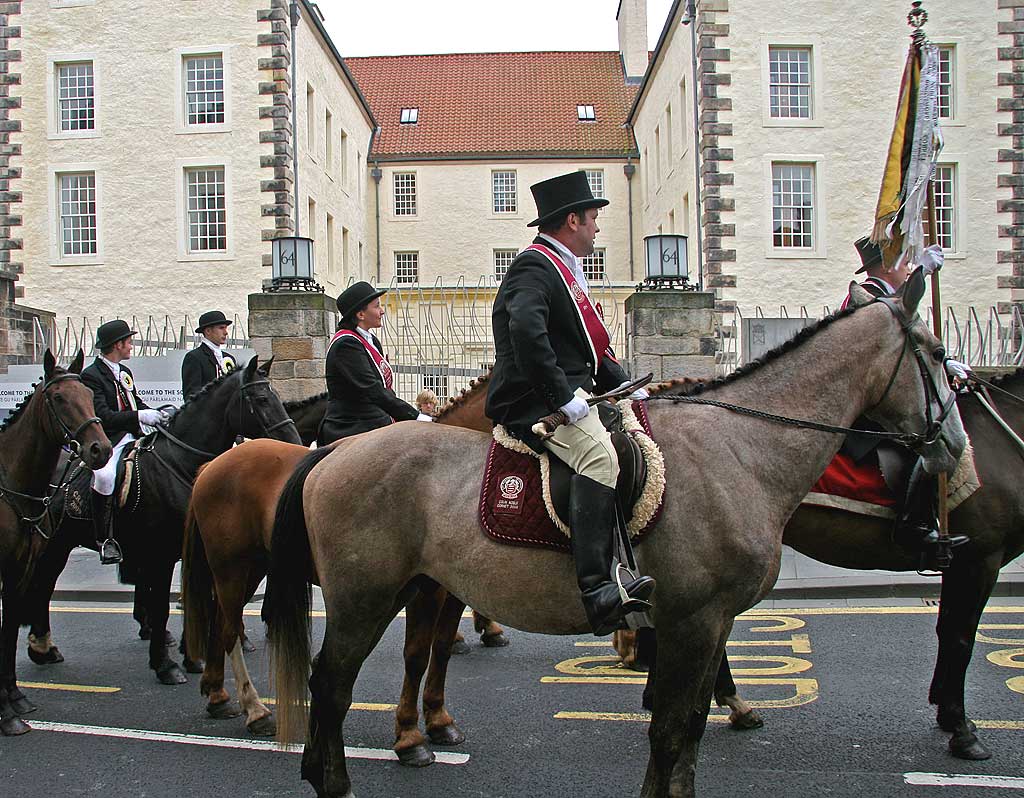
(197, 592)
(287, 602)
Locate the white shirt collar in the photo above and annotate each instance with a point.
(570, 260)
(368, 336)
(216, 349)
(114, 367)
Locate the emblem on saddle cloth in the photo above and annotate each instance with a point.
(516, 505)
(78, 503)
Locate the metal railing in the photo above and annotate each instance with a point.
(156, 336)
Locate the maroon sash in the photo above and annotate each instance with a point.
(382, 365)
(596, 333)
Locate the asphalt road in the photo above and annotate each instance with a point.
(843, 691)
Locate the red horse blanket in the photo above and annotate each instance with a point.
(515, 506)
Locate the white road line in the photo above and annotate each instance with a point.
(962, 780)
(441, 757)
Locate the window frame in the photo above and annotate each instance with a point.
(956, 219)
(502, 252)
(53, 64)
(409, 116)
(817, 92)
(55, 173)
(512, 192)
(414, 213)
(819, 250)
(403, 279)
(585, 112)
(598, 257)
(181, 55)
(181, 166)
(603, 183)
(958, 84)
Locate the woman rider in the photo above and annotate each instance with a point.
(359, 378)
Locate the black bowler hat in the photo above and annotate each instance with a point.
(356, 297)
(870, 253)
(562, 194)
(111, 332)
(210, 319)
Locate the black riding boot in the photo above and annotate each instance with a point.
(918, 526)
(592, 507)
(102, 525)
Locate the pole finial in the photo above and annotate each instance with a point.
(916, 18)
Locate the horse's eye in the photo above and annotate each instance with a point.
(939, 354)
(57, 397)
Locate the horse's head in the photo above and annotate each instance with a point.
(257, 411)
(914, 396)
(71, 417)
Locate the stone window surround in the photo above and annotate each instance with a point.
(181, 203)
(180, 124)
(54, 172)
(820, 249)
(53, 131)
(813, 43)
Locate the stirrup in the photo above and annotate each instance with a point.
(629, 603)
(110, 552)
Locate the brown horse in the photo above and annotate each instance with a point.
(59, 412)
(227, 542)
(994, 519)
(712, 558)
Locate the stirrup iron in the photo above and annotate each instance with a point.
(629, 604)
(110, 552)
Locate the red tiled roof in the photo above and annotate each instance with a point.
(497, 103)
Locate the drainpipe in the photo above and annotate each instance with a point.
(690, 18)
(295, 129)
(629, 170)
(376, 174)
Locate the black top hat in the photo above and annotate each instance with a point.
(870, 253)
(562, 194)
(356, 297)
(111, 332)
(210, 319)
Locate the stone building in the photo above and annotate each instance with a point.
(795, 107)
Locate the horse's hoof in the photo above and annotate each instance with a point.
(419, 756)
(746, 721)
(14, 726)
(23, 706)
(497, 640)
(168, 672)
(50, 657)
(460, 647)
(223, 710)
(263, 727)
(194, 665)
(446, 735)
(968, 746)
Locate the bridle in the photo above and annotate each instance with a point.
(912, 440)
(70, 440)
(264, 426)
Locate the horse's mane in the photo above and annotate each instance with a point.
(691, 387)
(475, 386)
(209, 388)
(1010, 376)
(298, 404)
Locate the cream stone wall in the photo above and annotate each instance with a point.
(140, 149)
(858, 57)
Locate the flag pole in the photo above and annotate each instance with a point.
(916, 19)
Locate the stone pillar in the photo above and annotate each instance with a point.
(19, 343)
(671, 333)
(294, 327)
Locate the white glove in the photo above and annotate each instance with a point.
(932, 259)
(576, 409)
(152, 417)
(639, 393)
(957, 370)
(424, 417)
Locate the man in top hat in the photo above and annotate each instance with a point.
(208, 360)
(917, 526)
(551, 353)
(360, 382)
(123, 414)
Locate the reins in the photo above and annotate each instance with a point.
(933, 426)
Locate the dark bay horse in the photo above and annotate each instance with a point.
(227, 544)
(150, 527)
(993, 517)
(59, 412)
(307, 414)
(373, 538)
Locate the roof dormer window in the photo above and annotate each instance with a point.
(410, 115)
(585, 113)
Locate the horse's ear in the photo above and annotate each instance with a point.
(265, 367)
(859, 296)
(913, 290)
(76, 364)
(49, 364)
(250, 368)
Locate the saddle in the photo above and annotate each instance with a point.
(77, 494)
(524, 498)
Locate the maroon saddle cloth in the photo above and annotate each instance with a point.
(512, 507)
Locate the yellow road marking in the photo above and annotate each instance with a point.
(593, 680)
(1015, 725)
(355, 705)
(1007, 657)
(628, 717)
(71, 688)
(783, 624)
(784, 666)
(590, 667)
(1003, 641)
(1016, 684)
(800, 644)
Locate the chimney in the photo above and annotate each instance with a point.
(632, 19)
